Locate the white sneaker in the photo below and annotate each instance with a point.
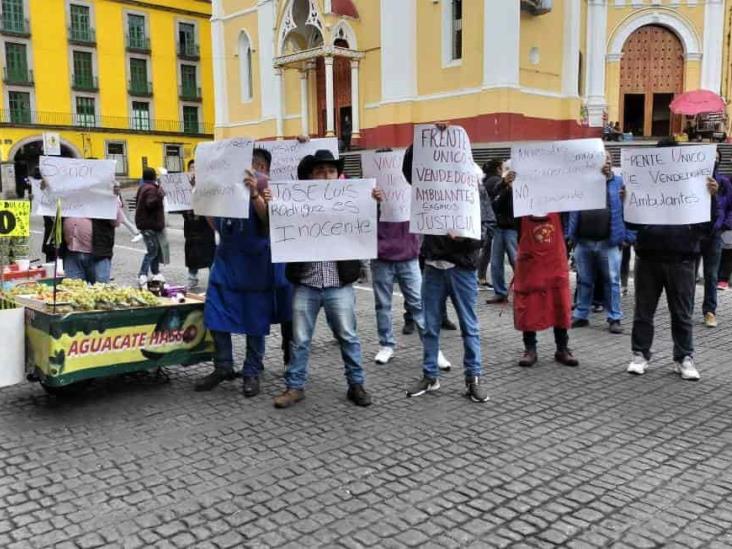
(687, 370)
(384, 355)
(136, 238)
(158, 278)
(638, 365)
(142, 281)
(442, 363)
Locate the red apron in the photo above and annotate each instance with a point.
(541, 280)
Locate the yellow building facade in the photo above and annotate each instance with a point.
(119, 79)
(504, 69)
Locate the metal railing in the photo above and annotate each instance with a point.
(84, 82)
(140, 88)
(18, 77)
(58, 119)
(138, 43)
(82, 35)
(188, 92)
(188, 50)
(14, 26)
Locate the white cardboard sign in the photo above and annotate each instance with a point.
(178, 191)
(558, 176)
(322, 220)
(667, 186)
(287, 154)
(220, 168)
(85, 188)
(445, 183)
(386, 168)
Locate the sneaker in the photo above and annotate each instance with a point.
(288, 397)
(424, 385)
(638, 365)
(448, 324)
(214, 379)
(529, 359)
(142, 281)
(158, 278)
(722, 285)
(497, 300)
(136, 238)
(409, 327)
(615, 327)
(250, 386)
(442, 363)
(475, 391)
(580, 323)
(358, 395)
(597, 308)
(687, 370)
(710, 320)
(566, 358)
(384, 355)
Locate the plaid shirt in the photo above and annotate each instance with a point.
(321, 274)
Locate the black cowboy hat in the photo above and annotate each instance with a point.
(322, 156)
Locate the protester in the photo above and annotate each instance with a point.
(541, 287)
(200, 239)
(451, 264)
(246, 293)
(665, 260)
(327, 285)
(505, 238)
(150, 221)
(129, 225)
(598, 236)
(493, 172)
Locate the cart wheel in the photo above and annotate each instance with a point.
(64, 391)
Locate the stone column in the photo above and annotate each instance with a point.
(279, 107)
(304, 114)
(355, 101)
(329, 98)
(596, 50)
(501, 43)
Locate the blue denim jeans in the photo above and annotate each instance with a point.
(151, 261)
(591, 257)
(340, 311)
(505, 242)
(461, 285)
(409, 278)
(224, 354)
(86, 267)
(711, 249)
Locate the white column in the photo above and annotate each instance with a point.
(329, 98)
(218, 51)
(596, 50)
(279, 107)
(355, 101)
(501, 43)
(570, 64)
(711, 69)
(267, 81)
(304, 114)
(398, 21)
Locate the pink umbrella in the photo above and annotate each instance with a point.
(697, 102)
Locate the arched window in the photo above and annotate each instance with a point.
(245, 67)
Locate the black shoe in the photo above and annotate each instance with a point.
(250, 386)
(615, 327)
(580, 323)
(566, 358)
(448, 324)
(475, 391)
(409, 327)
(497, 300)
(424, 385)
(213, 379)
(358, 395)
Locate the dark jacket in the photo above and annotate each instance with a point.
(200, 241)
(724, 204)
(396, 243)
(503, 208)
(491, 185)
(463, 252)
(348, 271)
(149, 212)
(103, 238)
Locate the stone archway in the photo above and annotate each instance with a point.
(651, 75)
(25, 154)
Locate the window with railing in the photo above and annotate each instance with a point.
(140, 115)
(190, 119)
(19, 105)
(16, 65)
(136, 33)
(80, 29)
(86, 114)
(139, 84)
(84, 78)
(187, 46)
(13, 17)
(189, 89)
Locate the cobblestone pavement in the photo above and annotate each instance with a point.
(577, 457)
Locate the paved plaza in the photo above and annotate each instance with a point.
(573, 457)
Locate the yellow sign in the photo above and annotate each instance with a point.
(14, 218)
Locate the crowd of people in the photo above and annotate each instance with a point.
(247, 293)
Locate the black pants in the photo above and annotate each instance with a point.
(725, 266)
(625, 267)
(678, 279)
(286, 330)
(561, 338)
(485, 255)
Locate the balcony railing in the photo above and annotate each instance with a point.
(85, 82)
(17, 77)
(190, 93)
(138, 43)
(140, 88)
(56, 119)
(191, 127)
(187, 50)
(84, 36)
(14, 26)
